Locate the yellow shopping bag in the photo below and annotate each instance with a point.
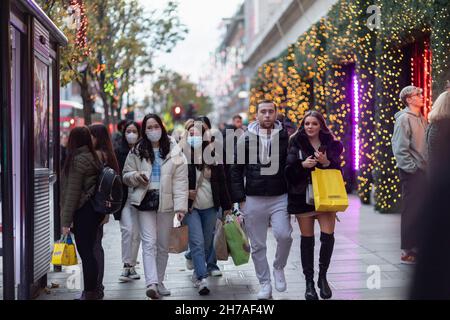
(64, 252)
(329, 190)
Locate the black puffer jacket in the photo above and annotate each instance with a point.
(219, 188)
(255, 183)
(299, 149)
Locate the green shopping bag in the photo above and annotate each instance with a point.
(237, 241)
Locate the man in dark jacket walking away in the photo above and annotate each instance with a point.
(410, 151)
(260, 158)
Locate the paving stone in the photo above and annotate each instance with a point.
(364, 238)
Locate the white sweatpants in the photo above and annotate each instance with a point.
(258, 212)
(155, 235)
(131, 238)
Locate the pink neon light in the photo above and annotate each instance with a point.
(355, 122)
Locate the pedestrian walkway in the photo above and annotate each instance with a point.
(365, 241)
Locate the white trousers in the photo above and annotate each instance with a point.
(258, 212)
(131, 238)
(155, 235)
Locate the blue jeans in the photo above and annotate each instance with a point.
(211, 258)
(201, 225)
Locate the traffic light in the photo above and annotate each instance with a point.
(177, 112)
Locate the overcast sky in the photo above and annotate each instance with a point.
(202, 17)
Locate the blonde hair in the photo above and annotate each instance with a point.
(441, 108)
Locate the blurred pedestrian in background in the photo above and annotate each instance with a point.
(410, 151)
(432, 277)
(117, 136)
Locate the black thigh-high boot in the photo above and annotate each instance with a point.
(307, 255)
(326, 251)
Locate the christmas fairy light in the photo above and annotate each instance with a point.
(356, 122)
(312, 74)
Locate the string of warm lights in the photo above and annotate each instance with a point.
(81, 37)
(353, 74)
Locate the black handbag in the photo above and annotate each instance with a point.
(150, 201)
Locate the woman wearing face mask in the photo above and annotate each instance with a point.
(207, 193)
(312, 146)
(128, 216)
(157, 174)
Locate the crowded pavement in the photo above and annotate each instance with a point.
(360, 250)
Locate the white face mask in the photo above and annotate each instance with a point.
(131, 137)
(154, 135)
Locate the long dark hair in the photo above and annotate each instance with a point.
(78, 137)
(124, 138)
(104, 144)
(144, 147)
(325, 134)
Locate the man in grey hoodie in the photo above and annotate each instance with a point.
(260, 157)
(410, 151)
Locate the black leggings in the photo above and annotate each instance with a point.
(86, 224)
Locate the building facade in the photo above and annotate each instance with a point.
(29, 134)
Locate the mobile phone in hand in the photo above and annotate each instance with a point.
(322, 149)
(144, 176)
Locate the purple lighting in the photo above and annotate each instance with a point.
(355, 123)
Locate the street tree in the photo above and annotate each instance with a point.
(112, 44)
(170, 89)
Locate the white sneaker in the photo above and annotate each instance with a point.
(265, 293)
(280, 280)
(216, 273)
(133, 274)
(125, 276)
(152, 292)
(162, 290)
(189, 264)
(195, 281)
(203, 287)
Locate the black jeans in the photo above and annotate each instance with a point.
(99, 256)
(413, 185)
(86, 224)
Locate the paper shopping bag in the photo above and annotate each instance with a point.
(329, 190)
(64, 252)
(179, 237)
(220, 242)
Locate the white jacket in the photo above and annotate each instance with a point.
(174, 185)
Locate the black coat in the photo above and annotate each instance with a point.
(121, 155)
(221, 197)
(438, 145)
(298, 177)
(255, 183)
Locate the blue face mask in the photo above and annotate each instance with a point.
(195, 141)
